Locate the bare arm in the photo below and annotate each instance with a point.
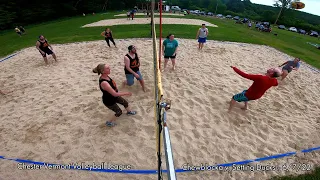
(198, 34)
(283, 64)
(245, 75)
(105, 86)
(49, 45)
(176, 50)
(163, 49)
(102, 34)
(127, 64)
(207, 31)
(38, 47)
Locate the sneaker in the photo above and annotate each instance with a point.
(110, 124)
(131, 113)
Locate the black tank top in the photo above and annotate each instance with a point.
(108, 34)
(134, 64)
(43, 45)
(107, 98)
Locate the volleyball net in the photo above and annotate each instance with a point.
(160, 105)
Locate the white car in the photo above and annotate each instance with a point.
(293, 29)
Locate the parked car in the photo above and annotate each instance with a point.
(314, 33)
(219, 15)
(175, 8)
(229, 16)
(281, 27)
(245, 20)
(236, 18)
(196, 11)
(266, 23)
(210, 14)
(202, 13)
(293, 29)
(301, 31)
(258, 25)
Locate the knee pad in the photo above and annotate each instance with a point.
(118, 113)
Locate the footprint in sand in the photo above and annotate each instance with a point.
(196, 133)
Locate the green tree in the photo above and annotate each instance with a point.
(268, 15)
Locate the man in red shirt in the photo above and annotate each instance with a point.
(261, 83)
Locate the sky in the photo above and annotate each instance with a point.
(311, 6)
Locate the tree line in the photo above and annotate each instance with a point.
(21, 12)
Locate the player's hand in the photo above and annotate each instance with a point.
(129, 94)
(136, 75)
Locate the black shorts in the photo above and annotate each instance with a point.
(46, 51)
(289, 70)
(128, 16)
(171, 57)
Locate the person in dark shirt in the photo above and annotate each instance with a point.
(131, 68)
(108, 36)
(43, 46)
(110, 94)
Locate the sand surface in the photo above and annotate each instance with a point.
(112, 22)
(164, 14)
(55, 113)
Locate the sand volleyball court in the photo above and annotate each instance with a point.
(55, 113)
(112, 22)
(157, 14)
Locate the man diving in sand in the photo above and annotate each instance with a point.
(261, 83)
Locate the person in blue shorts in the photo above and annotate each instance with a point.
(202, 35)
(131, 68)
(169, 50)
(289, 66)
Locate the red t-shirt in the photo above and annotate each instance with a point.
(260, 84)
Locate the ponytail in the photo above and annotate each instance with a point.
(99, 69)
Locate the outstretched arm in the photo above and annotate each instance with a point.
(105, 86)
(245, 75)
(283, 64)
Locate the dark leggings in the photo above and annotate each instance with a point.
(111, 39)
(116, 108)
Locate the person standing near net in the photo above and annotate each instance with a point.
(43, 46)
(202, 35)
(110, 94)
(169, 50)
(261, 83)
(107, 34)
(131, 68)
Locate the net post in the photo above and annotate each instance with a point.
(158, 94)
(171, 173)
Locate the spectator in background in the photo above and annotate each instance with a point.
(128, 15)
(22, 29)
(132, 14)
(18, 31)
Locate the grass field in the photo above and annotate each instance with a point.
(69, 30)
